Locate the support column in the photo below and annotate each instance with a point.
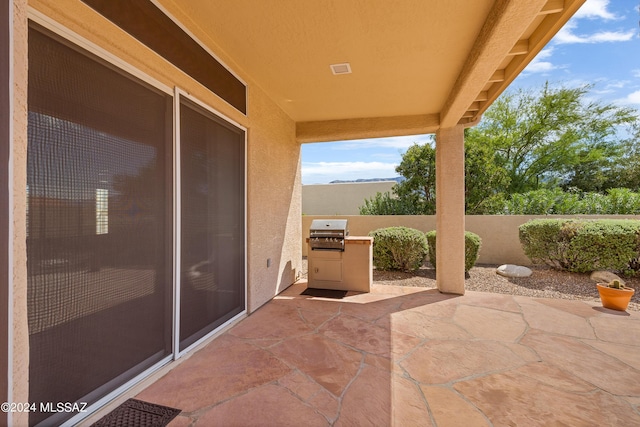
(5, 137)
(450, 210)
(19, 333)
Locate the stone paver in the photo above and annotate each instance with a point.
(268, 405)
(506, 326)
(209, 377)
(617, 329)
(449, 409)
(368, 401)
(408, 407)
(359, 334)
(329, 363)
(628, 354)
(512, 399)
(440, 362)
(584, 361)
(413, 357)
(555, 320)
(424, 326)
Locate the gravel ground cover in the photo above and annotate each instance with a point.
(545, 282)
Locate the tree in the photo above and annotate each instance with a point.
(625, 171)
(552, 136)
(418, 167)
(527, 141)
(485, 180)
(388, 204)
(416, 195)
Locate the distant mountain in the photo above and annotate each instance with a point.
(396, 179)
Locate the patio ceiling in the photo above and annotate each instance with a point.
(416, 64)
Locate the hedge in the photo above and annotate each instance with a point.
(581, 245)
(620, 201)
(472, 244)
(398, 248)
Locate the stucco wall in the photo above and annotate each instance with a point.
(19, 391)
(340, 199)
(273, 162)
(274, 200)
(273, 154)
(499, 233)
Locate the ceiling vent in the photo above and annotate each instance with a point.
(341, 68)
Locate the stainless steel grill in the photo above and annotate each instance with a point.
(328, 234)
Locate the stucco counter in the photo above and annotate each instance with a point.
(351, 270)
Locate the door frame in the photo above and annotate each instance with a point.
(177, 181)
(78, 40)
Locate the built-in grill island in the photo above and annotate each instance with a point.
(336, 260)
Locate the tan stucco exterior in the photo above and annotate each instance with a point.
(19, 384)
(450, 209)
(273, 166)
(499, 233)
(391, 47)
(418, 67)
(359, 128)
(273, 154)
(340, 198)
(347, 270)
(274, 200)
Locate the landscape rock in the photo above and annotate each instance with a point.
(511, 270)
(605, 277)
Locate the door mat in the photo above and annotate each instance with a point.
(136, 413)
(324, 293)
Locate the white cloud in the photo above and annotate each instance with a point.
(539, 65)
(567, 36)
(593, 9)
(616, 85)
(385, 156)
(610, 86)
(620, 84)
(400, 142)
(319, 172)
(632, 98)
(635, 73)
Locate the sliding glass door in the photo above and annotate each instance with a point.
(212, 223)
(100, 225)
(104, 237)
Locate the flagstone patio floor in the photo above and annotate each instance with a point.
(401, 356)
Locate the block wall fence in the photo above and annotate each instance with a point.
(499, 233)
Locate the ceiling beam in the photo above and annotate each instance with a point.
(552, 6)
(497, 76)
(475, 106)
(370, 127)
(537, 41)
(502, 29)
(520, 48)
(482, 96)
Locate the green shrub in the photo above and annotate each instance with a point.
(546, 241)
(398, 248)
(582, 245)
(388, 204)
(617, 201)
(472, 243)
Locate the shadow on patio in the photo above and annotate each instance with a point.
(413, 357)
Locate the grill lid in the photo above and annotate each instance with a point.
(328, 234)
(329, 225)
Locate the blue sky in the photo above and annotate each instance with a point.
(600, 45)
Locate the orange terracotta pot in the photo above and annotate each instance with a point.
(615, 299)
